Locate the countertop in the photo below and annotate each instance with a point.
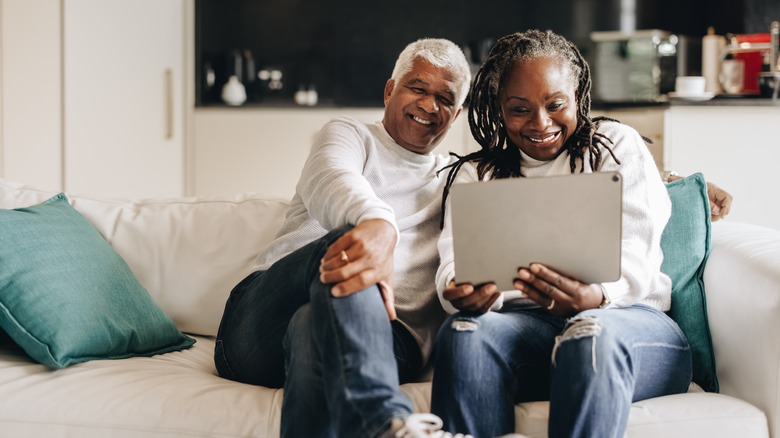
(720, 100)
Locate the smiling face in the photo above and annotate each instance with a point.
(420, 109)
(539, 106)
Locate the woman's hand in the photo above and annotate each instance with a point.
(468, 298)
(561, 295)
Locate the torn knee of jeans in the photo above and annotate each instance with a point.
(464, 325)
(580, 327)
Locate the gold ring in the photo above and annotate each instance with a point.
(344, 257)
(552, 304)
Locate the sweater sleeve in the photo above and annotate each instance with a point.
(646, 210)
(333, 186)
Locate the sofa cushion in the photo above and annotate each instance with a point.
(66, 296)
(187, 252)
(686, 246)
(179, 395)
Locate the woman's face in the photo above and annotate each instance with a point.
(539, 106)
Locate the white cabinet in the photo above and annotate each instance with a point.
(31, 92)
(736, 147)
(263, 150)
(114, 121)
(648, 121)
(123, 101)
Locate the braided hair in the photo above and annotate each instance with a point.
(498, 156)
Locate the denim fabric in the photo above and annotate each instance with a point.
(591, 368)
(337, 358)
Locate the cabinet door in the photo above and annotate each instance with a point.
(123, 101)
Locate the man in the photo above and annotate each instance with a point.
(321, 314)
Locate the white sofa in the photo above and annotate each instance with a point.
(190, 252)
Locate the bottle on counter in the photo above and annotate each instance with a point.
(712, 46)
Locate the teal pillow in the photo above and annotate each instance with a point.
(686, 246)
(66, 296)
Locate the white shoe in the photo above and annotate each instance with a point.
(425, 426)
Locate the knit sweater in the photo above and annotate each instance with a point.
(646, 210)
(356, 172)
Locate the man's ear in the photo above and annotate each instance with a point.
(389, 86)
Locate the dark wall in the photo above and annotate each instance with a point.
(347, 48)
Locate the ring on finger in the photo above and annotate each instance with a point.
(552, 304)
(344, 257)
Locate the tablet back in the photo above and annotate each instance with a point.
(571, 223)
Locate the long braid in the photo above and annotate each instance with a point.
(499, 157)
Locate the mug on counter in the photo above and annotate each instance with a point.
(689, 85)
(732, 76)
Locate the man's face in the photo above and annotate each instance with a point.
(421, 108)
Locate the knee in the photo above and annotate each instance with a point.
(584, 341)
(334, 234)
(460, 334)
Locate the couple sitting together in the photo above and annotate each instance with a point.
(343, 306)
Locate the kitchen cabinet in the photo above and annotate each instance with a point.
(737, 148)
(31, 92)
(648, 121)
(263, 149)
(123, 97)
(99, 104)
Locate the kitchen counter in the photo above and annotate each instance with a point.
(720, 100)
(725, 100)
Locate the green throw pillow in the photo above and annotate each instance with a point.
(686, 246)
(66, 296)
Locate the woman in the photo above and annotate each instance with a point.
(591, 349)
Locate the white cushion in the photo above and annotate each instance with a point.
(187, 252)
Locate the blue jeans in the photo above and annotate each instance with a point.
(602, 361)
(339, 359)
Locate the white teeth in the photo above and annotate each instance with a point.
(419, 120)
(542, 140)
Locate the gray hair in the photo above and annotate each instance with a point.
(440, 52)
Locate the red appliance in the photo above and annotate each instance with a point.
(753, 49)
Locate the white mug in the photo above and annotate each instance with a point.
(689, 85)
(732, 75)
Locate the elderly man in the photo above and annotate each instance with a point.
(321, 315)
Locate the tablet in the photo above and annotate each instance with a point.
(571, 223)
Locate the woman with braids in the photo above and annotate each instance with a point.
(590, 349)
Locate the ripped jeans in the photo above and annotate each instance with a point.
(591, 368)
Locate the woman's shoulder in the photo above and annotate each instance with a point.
(615, 129)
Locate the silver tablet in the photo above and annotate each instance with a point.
(571, 223)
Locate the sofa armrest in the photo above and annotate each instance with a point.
(742, 283)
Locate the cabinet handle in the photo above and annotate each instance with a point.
(168, 104)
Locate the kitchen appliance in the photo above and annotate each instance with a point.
(751, 49)
(641, 66)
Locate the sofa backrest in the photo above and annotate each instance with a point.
(187, 252)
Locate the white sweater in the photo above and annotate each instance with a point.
(357, 172)
(646, 210)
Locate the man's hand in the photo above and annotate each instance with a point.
(361, 258)
(720, 201)
(466, 297)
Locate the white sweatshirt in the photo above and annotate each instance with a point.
(646, 210)
(357, 172)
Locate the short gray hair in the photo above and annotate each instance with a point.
(440, 52)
